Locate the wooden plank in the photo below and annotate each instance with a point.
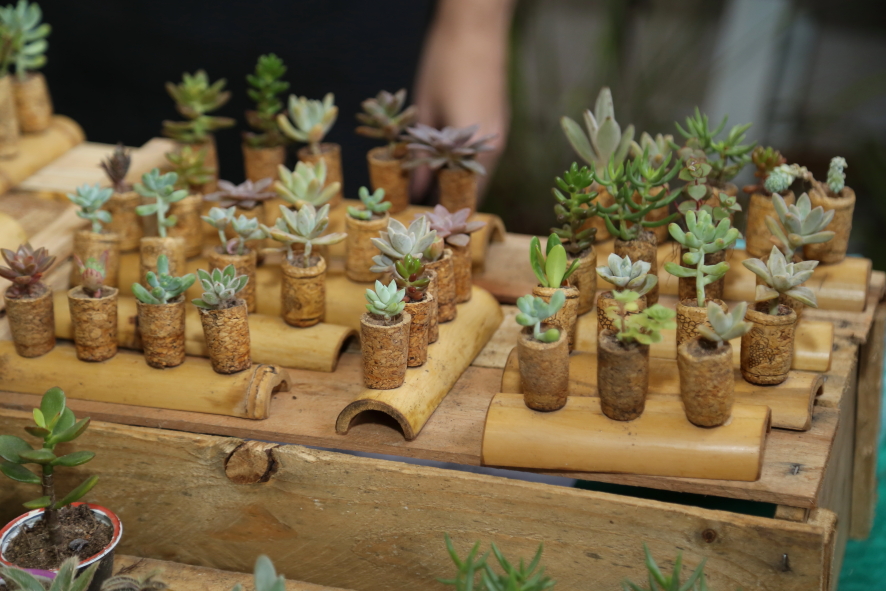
(36, 150)
(370, 524)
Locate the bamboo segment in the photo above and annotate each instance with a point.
(31, 322)
(566, 318)
(584, 278)
(87, 245)
(662, 442)
(244, 264)
(303, 292)
(331, 154)
(420, 319)
(413, 403)
(458, 189)
(94, 321)
(385, 349)
(125, 222)
(544, 371)
(843, 205)
(461, 271)
(35, 151)
(150, 249)
(360, 249)
(11, 232)
(387, 172)
(189, 225)
(33, 103)
(642, 248)
(226, 332)
(197, 388)
(9, 130)
(262, 163)
(446, 289)
(758, 241)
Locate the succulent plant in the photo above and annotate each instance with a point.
(435, 251)
(306, 183)
(190, 166)
(54, 423)
(604, 143)
(534, 311)
(162, 287)
(245, 229)
(657, 149)
(575, 208)
(311, 120)
(194, 97)
(836, 177)
(453, 228)
(266, 577)
(784, 177)
(149, 582)
(702, 237)
(638, 326)
(624, 274)
(160, 188)
(92, 274)
(450, 147)
(266, 85)
(766, 160)
(781, 277)
(247, 195)
(25, 270)
(373, 204)
(24, 38)
(550, 266)
(661, 582)
(384, 117)
(385, 301)
(398, 241)
(695, 172)
(90, 199)
(726, 326)
(116, 166)
(409, 273)
(799, 224)
(304, 227)
(727, 157)
(220, 288)
(525, 577)
(66, 579)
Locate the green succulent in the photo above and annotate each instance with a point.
(604, 143)
(836, 176)
(266, 577)
(799, 224)
(150, 582)
(304, 227)
(525, 577)
(658, 581)
(66, 578)
(398, 241)
(550, 267)
(194, 97)
(623, 274)
(454, 148)
(90, 199)
(384, 117)
(385, 300)
(435, 251)
(220, 288)
(409, 273)
(245, 229)
(695, 172)
(306, 183)
(160, 188)
(726, 326)
(23, 38)
(190, 166)
(247, 195)
(766, 160)
(162, 287)
(781, 277)
(534, 311)
(658, 149)
(727, 157)
(575, 208)
(633, 325)
(266, 85)
(92, 274)
(783, 176)
(311, 120)
(373, 204)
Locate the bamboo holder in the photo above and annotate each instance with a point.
(246, 394)
(303, 292)
(150, 249)
(433, 324)
(766, 350)
(95, 323)
(686, 285)
(622, 377)
(843, 206)
(32, 103)
(88, 244)
(690, 316)
(446, 290)
(707, 382)
(461, 271)
(566, 318)
(32, 323)
(331, 154)
(359, 248)
(162, 331)
(244, 264)
(604, 302)
(387, 172)
(544, 371)
(584, 278)
(385, 349)
(758, 238)
(420, 314)
(9, 131)
(262, 163)
(189, 225)
(226, 333)
(125, 222)
(458, 189)
(642, 248)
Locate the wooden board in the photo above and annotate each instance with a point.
(36, 150)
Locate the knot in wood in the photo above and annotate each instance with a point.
(709, 536)
(252, 462)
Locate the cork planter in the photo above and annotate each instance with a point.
(89, 244)
(686, 285)
(385, 348)
(32, 103)
(622, 377)
(420, 314)
(462, 267)
(758, 241)
(9, 131)
(690, 316)
(567, 318)
(125, 222)
(244, 264)
(606, 301)
(359, 248)
(189, 225)
(151, 247)
(32, 323)
(544, 371)
(303, 291)
(331, 154)
(94, 322)
(768, 349)
(707, 381)
(162, 331)
(386, 172)
(433, 322)
(584, 278)
(458, 189)
(262, 163)
(642, 248)
(843, 206)
(446, 310)
(226, 333)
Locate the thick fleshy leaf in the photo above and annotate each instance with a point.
(78, 493)
(40, 503)
(22, 580)
(19, 473)
(52, 403)
(577, 139)
(76, 458)
(803, 294)
(678, 270)
(11, 447)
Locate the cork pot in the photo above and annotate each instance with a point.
(262, 163)
(462, 267)
(244, 264)
(89, 244)
(9, 131)
(420, 313)
(188, 225)
(446, 309)
(162, 331)
(385, 348)
(707, 381)
(642, 248)
(544, 371)
(433, 323)
(686, 285)
(94, 322)
(359, 248)
(32, 103)
(606, 301)
(226, 333)
(584, 278)
(758, 241)
(331, 153)
(843, 206)
(151, 247)
(303, 290)
(768, 349)
(458, 189)
(604, 199)
(567, 318)
(386, 172)
(125, 222)
(32, 323)
(690, 316)
(622, 377)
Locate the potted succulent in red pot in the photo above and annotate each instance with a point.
(264, 149)
(455, 230)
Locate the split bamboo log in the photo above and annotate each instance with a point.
(127, 379)
(11, 232)
(661, 442)
(37, 150)
(791, 401)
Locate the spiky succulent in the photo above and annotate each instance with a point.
(639, 326)
(306, 183)
(90, 199)
(657, 149)
(454, 228)
(781, 277)
(604, 142)
(92, 274)
(450, 147)
(385, 301)
(304, 227)
(525, 577)
(149, 582)
(550, 267)
(190, 166)
(726, 326)
(244, 228)
(162, 287)
(160, 188)
(799, 224)
(220, 288)
(194, 97)
(66, 579)
(624, 274)
(25, 270)
(266, 577)
(398, 241)
(534, 311)
(836, 176)
(575, 208)
(266, 86)
(409, 273)
(116, 166)
(24, 38)
(384, 117)
(727, 156)
(661, 582)
(311, 120)
(247, 195)
(373, 204)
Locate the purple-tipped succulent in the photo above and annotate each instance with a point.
(26, 268)
(451, 147)
(92, 274)
(454, 228)
(245, 196)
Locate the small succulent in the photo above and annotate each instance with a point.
(799, 224)
(24, 38)
(149, 582)
(190, 166)
(220, 288)
(604, 142)
(575, 208)
(160, 188)
(638, 326)
(731, 155)
(92, 274)
(550, 266)
(661, 582)
(398, 241)
(784, 176)
(534, 311)
(525, 577)
(435, 251)
(90, 199)
(266, 577)
(373, 204)
(384, 117)
(245, 229)
(695, 172)
(247, 195)
(836, 176)
(454, 228)
(66, 579)
(306, 183)
(726, 326)
(781, 277)
(450, 147)
(162, 287)
(657, 149)
(304, 227)
(623, 274)
(116, 166)
(25, 270)
(311, 120)
(385, 301)
(194, 97)
(409, 273)
(266, 84)
(766, 160)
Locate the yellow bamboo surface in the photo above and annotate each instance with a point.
(127, 379)
(661, 442)
(791, 402)
(11, 232)
(426, 386)
(36, 150)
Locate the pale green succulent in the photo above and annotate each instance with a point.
(311, 120)
(385, 300)
(726, 326)
(245, 229)
(306, 183)
(550, 267)
(634, 325)
(220, 288)
(398, 241)
(304, 227)
(659, 581)
(604, 141)
(836, 176)
(781, 277)
(727, 156)
(534, 311)
(65, 580)
(24, 38)
(657, 149)
(160, 188)
(624, 274)
(266, 577)
(799, 224)
(783, 176)
(162, 287)
(373, 204)
(90, 199)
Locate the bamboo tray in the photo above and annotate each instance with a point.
(791, 402)
(661, 442)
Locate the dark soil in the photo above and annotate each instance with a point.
(702, 347)
(83, 536)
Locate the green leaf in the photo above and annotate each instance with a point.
(71, 433)
(39, 418)
(577, 139)
(679, 271)
(555, 266)
(52, 404)
(38, 431)
(78, 493)
(19, 473)
(74, 459)
(23, 580)
(66, 421)
(41, 503)
(37, 456)
(11, 447)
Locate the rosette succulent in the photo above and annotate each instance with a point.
(454, 228)
(162, 287)
(373, 204)
(247, 195)
(726, 326)
(781, 277)
(190, 166)
(385, 301)
(398, 241)
(534, 311)
(90, 199)
(306, 183)
(604, 142)
(727, 157)
(25, 269)
(409, 273)
(304, 227)
(450, 147)
(311, 120)
(624, 274)
(245, 229)
(385, 118)
(92, 274)
(220, 288)
(799, 224)
(160, 188)
(194, 97)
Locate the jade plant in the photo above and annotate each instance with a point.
(695, 173)
(625, 275)
(266, 86)
(194, 98)
(160, 188)
(190, 166)
(451, 147)
(658, 148)
(550, 267)
(633, 325)
(534, 311)
(306, 183)
(247, 195)
(659, 581)
(398, 241)
(385, 118)
(574, 209)
(90, 199)
(245, 229)
(25, 270)
(604, 142)
(781, 277)
(373, 204)
(311, 120)
(702, 237)
(162, 287)
(727, 157)
(92, 274)
(304, 227)
(220, 288)
(799, 224)
(116, 166)
(266, 577)
(386, 301)
(409, 273)
(453, 228)
(725, 326)
(66, 578)
(24, 38)
(522, 577)
(836, 177)
(54, 423)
